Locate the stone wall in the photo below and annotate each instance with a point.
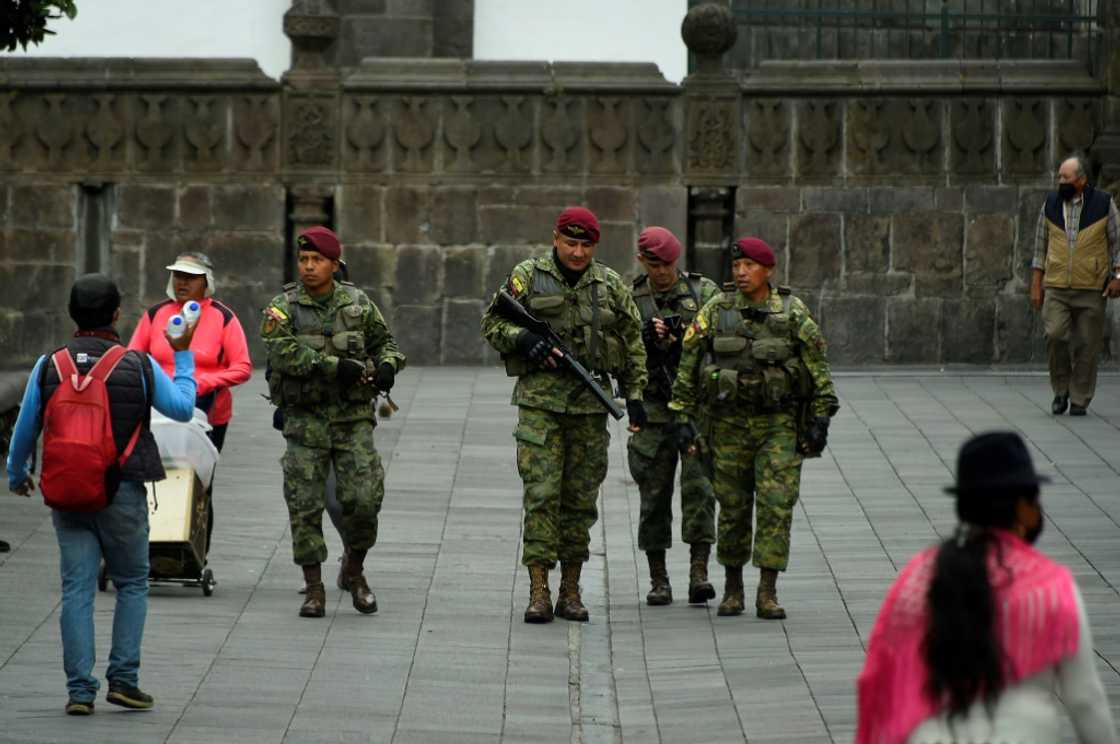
(117, 166)
(907, 29)
(402, 28)
(901, 197)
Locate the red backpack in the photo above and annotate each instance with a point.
(78, 444)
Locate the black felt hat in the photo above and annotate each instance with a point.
(994, 461)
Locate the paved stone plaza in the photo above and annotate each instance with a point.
(448, 659)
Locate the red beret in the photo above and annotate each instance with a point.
(660, 244)
(578, 223)
(755, 249)
(322, 240)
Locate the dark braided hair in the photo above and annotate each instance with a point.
(961, 648)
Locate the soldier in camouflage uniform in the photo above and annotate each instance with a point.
(668, 301)
(561, 433)
(755, 374)
(330, 352)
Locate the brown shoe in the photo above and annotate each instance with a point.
(766, 601)
(700, 590)
(364, 600)
(660, 593)
(540, 599)
(568, 603)
(315, 599)
(732, 603)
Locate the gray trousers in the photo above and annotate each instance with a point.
(1074, 323)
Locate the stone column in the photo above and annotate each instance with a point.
(712, 101)
(311, 113)
(1106, 150)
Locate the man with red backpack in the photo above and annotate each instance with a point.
(92, 401)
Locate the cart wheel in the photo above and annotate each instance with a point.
(208, 582)
(103, 577)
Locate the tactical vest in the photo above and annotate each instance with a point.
(341, 336)
(752, 357)
(1086, 263)
(684, 302)
(582, 318)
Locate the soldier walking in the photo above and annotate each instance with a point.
(561, 433)
(325, 338)
(754, 373)
(668, 301)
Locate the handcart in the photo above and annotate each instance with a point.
(178, 506)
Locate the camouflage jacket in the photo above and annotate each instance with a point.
(559, 390)
(685, 298)
(292, 354)
(692, 391)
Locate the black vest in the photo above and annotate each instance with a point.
(1094, 207)
(129, 404)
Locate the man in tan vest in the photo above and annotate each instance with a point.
(1075, 268)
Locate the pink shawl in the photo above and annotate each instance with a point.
(1036, 616)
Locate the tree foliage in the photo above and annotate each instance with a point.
(24, 22)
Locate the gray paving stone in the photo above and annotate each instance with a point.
(447, 657)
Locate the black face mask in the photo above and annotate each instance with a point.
(1067, 191)
(1033, 533)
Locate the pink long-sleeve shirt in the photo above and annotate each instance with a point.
(221, 354)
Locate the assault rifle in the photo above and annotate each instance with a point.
(662, 363)
(515, 312)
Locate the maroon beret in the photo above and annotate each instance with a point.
(578, 223)
(322, 240)
(660, 244)
(755, 249)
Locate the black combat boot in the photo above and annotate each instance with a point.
(700, 590)
(660, 592)
(732, 603)
(766, 602)
(540, 599)
(315, 601)
(364, 600)
(569, 605)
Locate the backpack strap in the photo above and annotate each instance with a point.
(105, 366)
(65, 367)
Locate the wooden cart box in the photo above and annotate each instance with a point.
(177, 524)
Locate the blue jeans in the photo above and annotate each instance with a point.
(119, 532)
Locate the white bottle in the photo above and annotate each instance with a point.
(176, 326)
(191, 311)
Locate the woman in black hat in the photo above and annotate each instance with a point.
(978, 637)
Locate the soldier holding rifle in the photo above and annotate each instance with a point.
(668, 300)
(587, 330)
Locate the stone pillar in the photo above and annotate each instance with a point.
(311, 103)
(712, 101)
(1106, 149)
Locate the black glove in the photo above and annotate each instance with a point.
(278, 419)
(386, 376)
(684, 436)
(349, 372)
(816, 438)
(637, 413)
(533, 347)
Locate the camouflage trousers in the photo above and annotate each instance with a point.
(360, 484)
(652, 454)
(562, 460)
(755, 467)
